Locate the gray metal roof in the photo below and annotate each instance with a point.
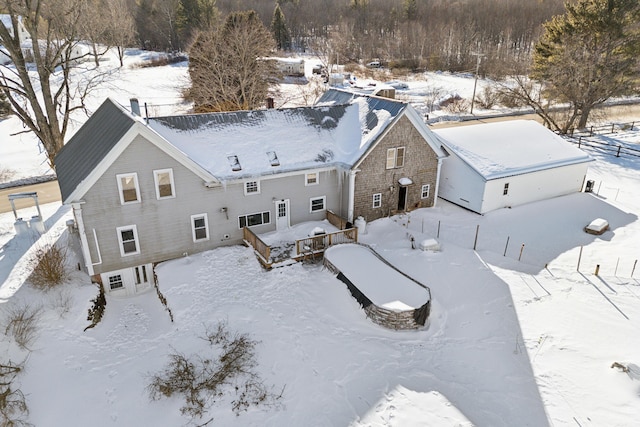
(375, 103)
(314, 116)
(91, 143)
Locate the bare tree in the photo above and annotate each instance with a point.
(38, 84)
(227, 66)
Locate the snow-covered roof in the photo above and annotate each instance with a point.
(236, 145)
(501, 149)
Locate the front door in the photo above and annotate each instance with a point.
(402, 199)
(282, 214)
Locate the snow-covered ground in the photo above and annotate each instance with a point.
(518, 335)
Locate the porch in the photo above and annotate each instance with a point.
(304, 241)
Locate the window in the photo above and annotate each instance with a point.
(251, 187)
(141, 278)
(128, 239)
(424, 193)
(128, 188)
(199, 227)
(395, 157)
(164, 183)
(115, 282)
(377, 200)
(506, 189)
(311, 178)
(316, 204)
(254, 219)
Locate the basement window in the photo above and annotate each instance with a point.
(505, 191)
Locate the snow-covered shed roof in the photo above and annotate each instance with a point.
(515, 147)
(236, 145)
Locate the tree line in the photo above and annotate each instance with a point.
(425, 34)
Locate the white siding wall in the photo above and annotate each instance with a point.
(533, 187)
(460, 184)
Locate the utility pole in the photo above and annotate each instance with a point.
(475, 83)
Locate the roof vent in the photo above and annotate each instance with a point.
(273, 158)
(135, 106)
(235, 163)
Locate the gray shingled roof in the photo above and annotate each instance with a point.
(91, 143)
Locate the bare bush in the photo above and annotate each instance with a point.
(50, 267)
(6, 174)
(22, 324)
(488, 98)
(432, 96)
(13, 405)
(456, 105)
(204, 380)
(62, 302)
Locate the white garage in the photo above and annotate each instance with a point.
(498, 165)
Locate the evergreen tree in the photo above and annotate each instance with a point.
(410, 9)
(588, 55)
(279, 29)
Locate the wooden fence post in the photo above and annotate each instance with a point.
(618, 153)
(505, 247)
(521, 249)
(475, 242)
(438, 234)
(634, 267)
(579, 258)
(597, 269)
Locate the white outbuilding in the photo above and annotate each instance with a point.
(504, 164)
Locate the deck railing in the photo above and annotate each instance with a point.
(318, 244)
(258, 245)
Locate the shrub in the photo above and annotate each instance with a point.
(96, 311)
(488, 98)
(6, 174)
(22, 324)
(204, 380)
(455, 105)
(13, 404)
(164, 59)
(50, 267)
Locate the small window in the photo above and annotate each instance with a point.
(128, 239)
(164, 183)
(251, 187)
(199, 227)
(128, 188)
(395, 157)
(115, 282)
(377, 200)
(424, 192)
(311, 178)
(317, 204)
(250, 220)
(506, 189)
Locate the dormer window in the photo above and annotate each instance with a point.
(235, 163)
(273, 158)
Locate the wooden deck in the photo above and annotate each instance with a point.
(309, 248)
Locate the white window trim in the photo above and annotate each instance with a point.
(428, 188)
(306, 178)
(119, 280)
(324, 204)
(119, 231)
(247, 193)
(377, 205)
(157, 183)
(246, 219)
(193, 227)
(135, 181)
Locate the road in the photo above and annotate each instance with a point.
(49, 192)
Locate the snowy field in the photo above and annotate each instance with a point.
(518, 334)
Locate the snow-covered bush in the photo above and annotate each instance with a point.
(22, 324)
